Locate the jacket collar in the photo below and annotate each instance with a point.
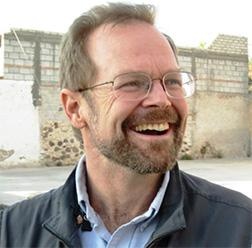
(171, 212)
(60, 224)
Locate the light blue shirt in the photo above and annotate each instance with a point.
(135, 233)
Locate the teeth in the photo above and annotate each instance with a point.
(156, 127)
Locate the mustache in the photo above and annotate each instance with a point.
(167, 114)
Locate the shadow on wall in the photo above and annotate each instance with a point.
(4, 154)
(207, 150)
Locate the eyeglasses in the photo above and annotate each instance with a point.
(134, 86)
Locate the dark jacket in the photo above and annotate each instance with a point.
(194, 213)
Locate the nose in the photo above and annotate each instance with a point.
(157, 96)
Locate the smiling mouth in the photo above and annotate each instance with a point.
(152, 129)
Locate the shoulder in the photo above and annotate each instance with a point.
(25, 220)
(27, 216)
(214, 194)
(36, 208)
(43, 205)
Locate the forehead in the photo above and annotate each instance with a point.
(131, 46)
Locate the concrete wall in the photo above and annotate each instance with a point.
(250, 121)
(219, 111)
(1, 56)
(32, 56)
(19, 126)
(221, 128)
(219, 123)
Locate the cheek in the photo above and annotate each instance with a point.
(120, 111)
(106, 103)
(109, 114)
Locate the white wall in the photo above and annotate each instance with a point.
(1, 55)
(19, 123)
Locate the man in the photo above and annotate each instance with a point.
(124, 94)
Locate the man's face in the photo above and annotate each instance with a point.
(144, 135)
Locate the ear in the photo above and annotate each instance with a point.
(71, 102)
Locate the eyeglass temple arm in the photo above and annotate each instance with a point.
(94, 86)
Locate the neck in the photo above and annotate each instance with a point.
(114, 191)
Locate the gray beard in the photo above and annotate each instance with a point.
(158, 157)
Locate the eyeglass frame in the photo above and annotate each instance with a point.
(150, 83)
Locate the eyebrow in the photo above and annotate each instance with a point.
(179, 69)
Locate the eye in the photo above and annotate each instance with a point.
(173, 82)
(131, 84)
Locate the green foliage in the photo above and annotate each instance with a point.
(186, 156)
(2, 206)
(202, 45)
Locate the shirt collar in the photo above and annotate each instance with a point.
(83, 199)
(82, 195)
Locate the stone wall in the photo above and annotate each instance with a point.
(58, 144)
(218, 123)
